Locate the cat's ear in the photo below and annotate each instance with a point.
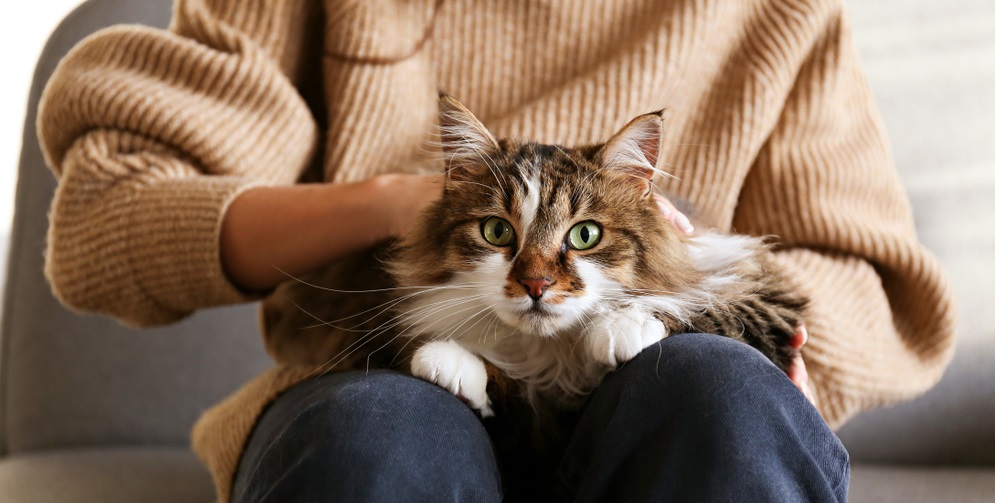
(635, 149)
(466, 143)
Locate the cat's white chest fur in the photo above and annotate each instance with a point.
(564, 364)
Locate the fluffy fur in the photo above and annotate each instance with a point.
(550, 316)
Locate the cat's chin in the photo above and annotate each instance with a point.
(540, 323)
(541, 319)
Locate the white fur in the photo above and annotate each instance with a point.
(711, 251)
(470, 317)
(465, 140)
(459, 371)
(618, 335)
(529, 204)
(625, 150)
(443, 312)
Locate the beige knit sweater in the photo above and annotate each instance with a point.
(771, 130)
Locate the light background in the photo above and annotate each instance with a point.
(24, 28)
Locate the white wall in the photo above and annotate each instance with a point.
(24, 28)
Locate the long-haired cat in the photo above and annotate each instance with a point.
(554, 266)
(541, 269)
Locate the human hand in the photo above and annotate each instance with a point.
(404, 197)
(672, 215)
(797, 371)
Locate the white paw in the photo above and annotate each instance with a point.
(459, 371)
(617, 336)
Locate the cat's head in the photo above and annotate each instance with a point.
(540, 234)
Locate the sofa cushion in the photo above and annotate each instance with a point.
(888, 484)
(149, 475)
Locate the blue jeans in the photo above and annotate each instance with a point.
(693, 418)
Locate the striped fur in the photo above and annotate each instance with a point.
(640, 283)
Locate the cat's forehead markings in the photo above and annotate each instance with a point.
(529, 199)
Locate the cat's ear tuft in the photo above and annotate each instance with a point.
(635, 149)
(466, 143)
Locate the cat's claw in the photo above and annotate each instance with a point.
(617, 336)
(455, 369)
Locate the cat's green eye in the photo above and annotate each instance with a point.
(584, 235)
(497, 231)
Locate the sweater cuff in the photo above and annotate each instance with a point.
(175, 243)
(850, 315)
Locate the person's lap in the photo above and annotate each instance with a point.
(695, 417)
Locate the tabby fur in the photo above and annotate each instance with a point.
(598, 307)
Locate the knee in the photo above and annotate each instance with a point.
(701, 369)
(693, 402)
(365, 435)
(378, 414)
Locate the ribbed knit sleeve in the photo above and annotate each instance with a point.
(152, 134)
(882, 318)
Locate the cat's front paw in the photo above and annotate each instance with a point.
(455, 369)
(617, 336)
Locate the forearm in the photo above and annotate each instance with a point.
(270, 232)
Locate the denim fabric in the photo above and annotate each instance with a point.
(693, 418)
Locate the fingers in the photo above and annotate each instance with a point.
(798, 374)
(800, 338)
(797, 371)
(672, 215)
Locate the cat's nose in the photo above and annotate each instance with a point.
(535, 286)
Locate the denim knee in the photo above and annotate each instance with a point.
(699, 418)
(703, 369)
(387, 410)
(368, 437)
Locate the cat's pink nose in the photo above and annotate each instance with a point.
(535, 286)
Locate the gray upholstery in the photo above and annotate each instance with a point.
(78, 381)
(887, 484)
(148, 475)
(92, 411)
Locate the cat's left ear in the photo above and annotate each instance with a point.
(635, 149)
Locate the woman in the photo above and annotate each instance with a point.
(179, 153)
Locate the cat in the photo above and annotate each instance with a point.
(540, 270)
(551, 266)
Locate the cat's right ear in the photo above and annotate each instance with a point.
(466, 144)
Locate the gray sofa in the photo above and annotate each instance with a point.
(93, 411)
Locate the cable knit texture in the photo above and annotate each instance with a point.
(771, 130)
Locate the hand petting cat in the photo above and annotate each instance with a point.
(797, 372)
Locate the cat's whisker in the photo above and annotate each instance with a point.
(370, 355)
(437, 336)
(392, 303)
(494, 327)
(384, 307)
(451, 334)
(432, 308)
(429, 310)
(362, 341)
(488, 187)
(374, 290)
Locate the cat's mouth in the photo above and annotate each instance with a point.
(538, 308)
(541, 318)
